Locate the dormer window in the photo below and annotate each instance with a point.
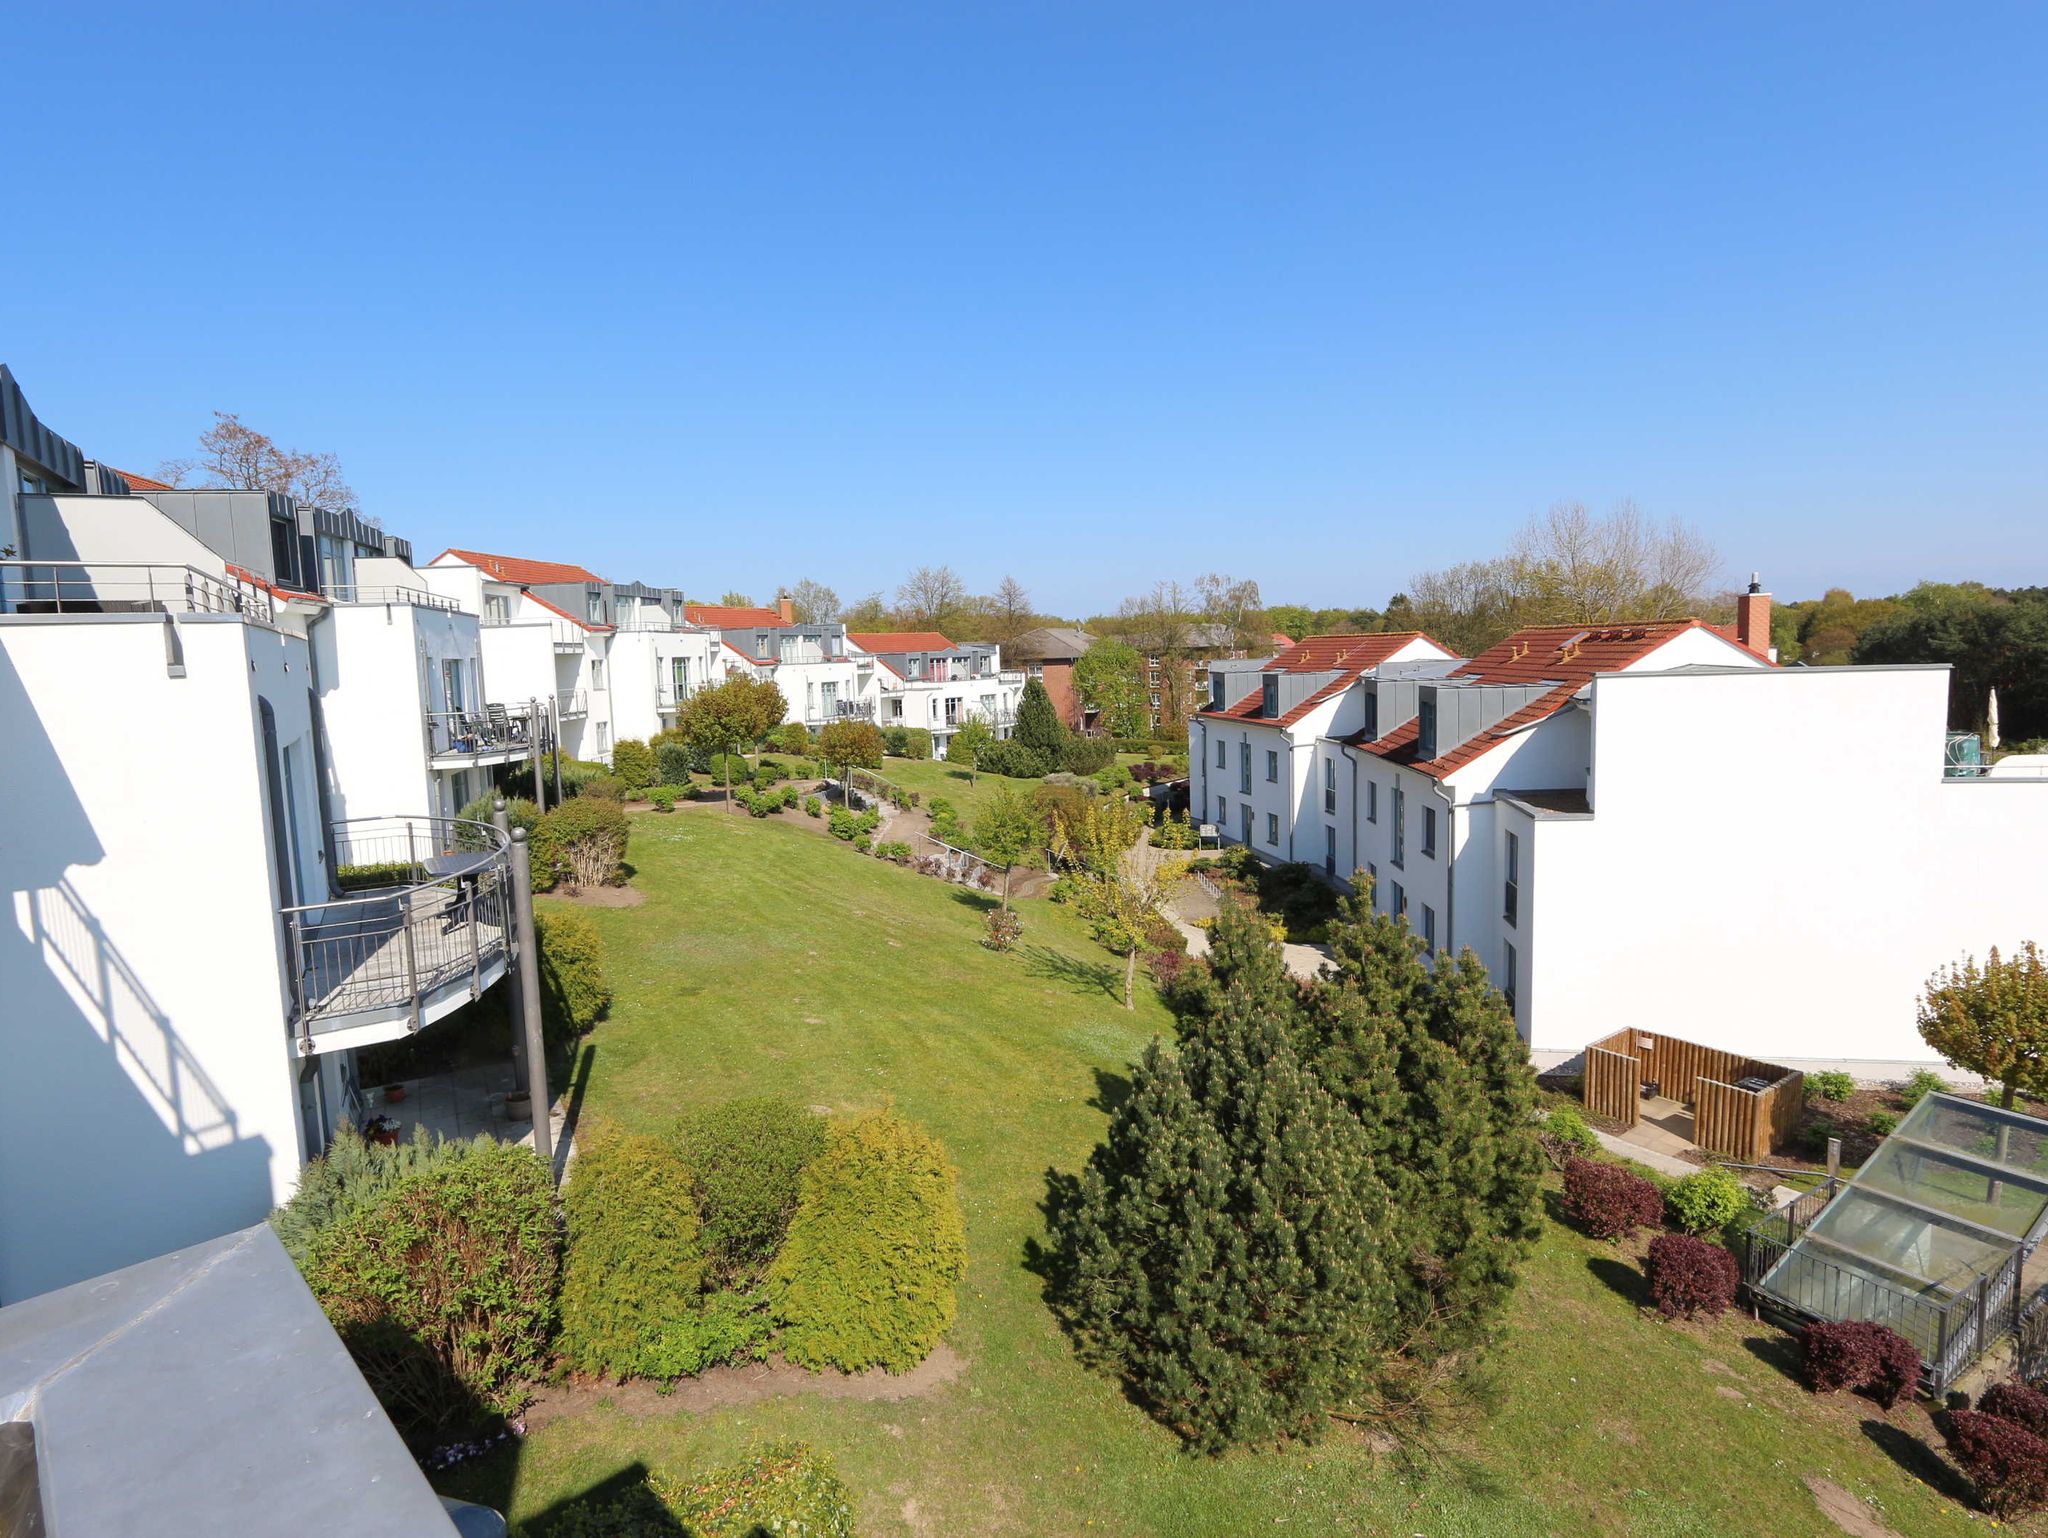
(593, 606)
(1372, 715)
(1269, 703)
(1425, 728)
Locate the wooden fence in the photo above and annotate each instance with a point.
(1745, 1124)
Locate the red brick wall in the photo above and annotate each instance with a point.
(1059, 687)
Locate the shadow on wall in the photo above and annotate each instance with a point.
(115, 1144)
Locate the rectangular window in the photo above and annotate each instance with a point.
(593, 606)
(597, 672)
(604, 736)
(1511, 891)
(1272, 767)
(1273, 829)
(1428, 930)
(1509, 969)
(1330, 785)
(1397, 900)
(1222, 812)
(1425, 729)
(1372, 715)
(679, 676)
(1244, 768)
(497, 609)
(1400, 830)
(1244, 823)
(1372, 800)
(1429, 831)
(1329, 851)
(787, 648)
(1222, 754)
(1269, 696)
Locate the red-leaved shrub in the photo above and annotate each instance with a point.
(1607, 1201)
(2014, 1401)
(1690, 1277)
(2007, 1463)
(1858, 1354)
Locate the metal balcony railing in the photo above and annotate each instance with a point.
(125, 587)
(845, 710)
(419, 598)
(492, 730)
(573, 703)
(426, 906)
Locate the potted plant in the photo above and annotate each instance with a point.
(393, 1093)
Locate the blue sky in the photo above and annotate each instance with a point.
(1090, 294)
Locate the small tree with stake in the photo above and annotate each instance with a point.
(974, 735)
(851, 745)
(1007, 830)
(1123, 896)
(726, 718)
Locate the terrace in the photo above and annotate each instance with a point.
(499, 734)
(100, 588)
(421, 930)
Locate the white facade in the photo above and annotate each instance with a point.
(653, 670)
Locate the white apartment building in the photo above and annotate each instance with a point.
(196, 945)
(822, 678)
(1252, 762)
(928, 682)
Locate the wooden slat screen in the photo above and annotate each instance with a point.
(1741, 1124)
(1613, 1085)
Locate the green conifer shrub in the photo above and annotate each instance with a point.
(633, 764)
(747, 1158)
(633, 1269)
(573, 992)
(876, 1246)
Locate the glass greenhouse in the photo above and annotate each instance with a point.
(1931, 1237)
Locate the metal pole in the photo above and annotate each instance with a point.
(529, 998)
(540, 794)
(1834, 1157)
(502, 820)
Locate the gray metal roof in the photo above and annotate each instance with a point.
(1049, 641)
(23, 432)
(203, 1392)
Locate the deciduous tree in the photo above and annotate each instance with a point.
(974, 735)
(1008, 828)
(233, 454)
(851, 745)
(1992, 1018)
(1110, 678)
(929, 596)
(813, 602)
(729, 717)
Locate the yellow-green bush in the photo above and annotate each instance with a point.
(634, 1271)
(573, 992)
(866, 1275)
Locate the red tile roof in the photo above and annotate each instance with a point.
(733, 616)
(513, 568)
(891, 641)
(748, 657)
(142, 482)
(1350, 655)
(1565, 655)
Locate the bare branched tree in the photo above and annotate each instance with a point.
(929, 596)
(813, 602)
(1234, 604)
(1160, 623)
(1009, 610)
(233, 454)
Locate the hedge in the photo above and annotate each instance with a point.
(583, 842)
(1690, 1278)
(866, 1276)
(574, 994)
(633, 1274)
(444, 1290)
(1607, 1201)
(2006, 1462)
(2015, 1401)
(1858, 1354)
(748, 1158)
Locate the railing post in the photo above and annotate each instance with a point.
(412, 963)
(529, 999)
(1834, 1157)
(540, 794)
(501, 818)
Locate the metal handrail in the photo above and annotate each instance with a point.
(472, 731)
(418, 597)
(395, 944)
(574, 702)
(126, 587)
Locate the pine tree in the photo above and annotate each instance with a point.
(1039, 727)
(1225, 1250)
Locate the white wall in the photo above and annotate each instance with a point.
(640, 662)
(380, 669)
(1776, 865)
(82, 528)
(149, 1098)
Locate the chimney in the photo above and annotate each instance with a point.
(1753, 618)
(787, 608)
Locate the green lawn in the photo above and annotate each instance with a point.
(769, 959)
(931, 777)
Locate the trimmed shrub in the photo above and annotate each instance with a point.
(674, 761)
(1088, 755)
(1858, 1354)
(1011, 758)
(573, 992)
(1707, 1202)
(862, 843)
(747, 1158)
(663, 797)
(1607, 1201)
(1924, 1082)
(633, 763)
(519, 813)
(444, 1291)
(876, 1246)
(1689, 1277)
(634, 1267)
(917, 743)
(352, 1175)
(1566, 1136)
(2014, 1401)
(2006, 1462)
(893, 849)
(603, 787)
(584, 840)
(793, 738)
(1883, 1123)
(1831, 1085)
(813, 807)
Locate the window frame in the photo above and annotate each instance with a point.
(1511, 882)
(1273, 829)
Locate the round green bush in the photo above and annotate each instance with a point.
(1708, 1201)
(633, 1273)
(866, 1277)
(1831, 1085)
(748, 1158)
(583, 841)
(633, 763)
(444, 1291)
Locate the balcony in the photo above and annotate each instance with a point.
(843, 710)
(461, 739)
(420, 930)
(418, 597)
(571, 705)
(667, 697)
(126, 587)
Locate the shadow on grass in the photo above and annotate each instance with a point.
(980, 902)
(572, 1110)
(1082, 976)
(1111, 1091)
(629, 1505)
(1920, 1461)
(1621, 1278)
(1776, 1350)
